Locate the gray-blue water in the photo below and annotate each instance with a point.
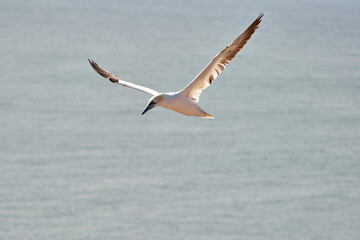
(280, 161)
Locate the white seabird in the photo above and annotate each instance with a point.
(184, 101)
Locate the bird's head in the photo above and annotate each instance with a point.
(155, 101)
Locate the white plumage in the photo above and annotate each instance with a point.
(185, 101)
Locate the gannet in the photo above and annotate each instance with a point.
(184, 101)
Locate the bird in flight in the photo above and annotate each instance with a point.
(185, 101)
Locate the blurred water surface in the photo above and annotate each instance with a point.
(280, 161)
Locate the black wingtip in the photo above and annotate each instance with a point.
(260, 16)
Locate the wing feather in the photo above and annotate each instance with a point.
(208, 75)
(115, 79)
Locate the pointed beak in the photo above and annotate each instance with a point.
(150, 106)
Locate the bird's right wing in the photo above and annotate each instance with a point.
(115, 79)
(208, 75)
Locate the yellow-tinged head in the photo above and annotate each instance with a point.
(153, 102)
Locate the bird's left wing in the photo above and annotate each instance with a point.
(115, 79)
(207, 76)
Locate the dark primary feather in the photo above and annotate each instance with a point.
(105, 73)
(240, 42)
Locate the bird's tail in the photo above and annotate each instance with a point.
(207, 115)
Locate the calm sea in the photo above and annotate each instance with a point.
(281, 160)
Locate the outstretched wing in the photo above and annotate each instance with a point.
(115, 79)
(207, 76)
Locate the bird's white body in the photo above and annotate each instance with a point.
(185, 101)
(177, 102)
